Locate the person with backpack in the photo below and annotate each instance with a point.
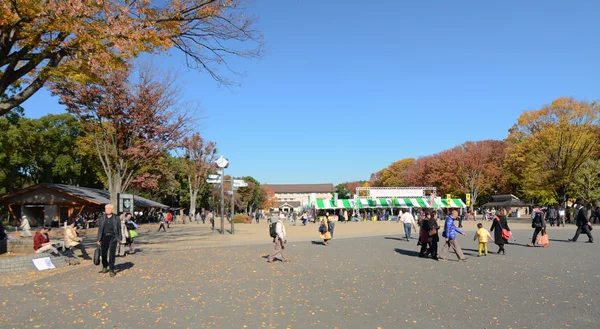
(501, 230)
(277, 232)
(537, 223)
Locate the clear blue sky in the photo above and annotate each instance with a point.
(347, 87)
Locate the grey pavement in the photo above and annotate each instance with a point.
(369, 282)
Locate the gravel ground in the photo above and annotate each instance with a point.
(369, 282)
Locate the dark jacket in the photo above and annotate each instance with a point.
(497, 227)
(102, 226)
(581, 218)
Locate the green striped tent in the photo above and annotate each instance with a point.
(388, 203)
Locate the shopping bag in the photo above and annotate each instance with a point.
(133, 234)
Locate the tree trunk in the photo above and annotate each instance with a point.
(193, 197)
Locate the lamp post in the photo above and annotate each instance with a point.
(222, 163)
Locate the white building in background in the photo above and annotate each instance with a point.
(296, 196)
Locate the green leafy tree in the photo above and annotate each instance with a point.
(547, 147)
(586, 183)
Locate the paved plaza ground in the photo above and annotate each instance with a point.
(178, 280)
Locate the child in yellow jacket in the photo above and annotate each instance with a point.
(483, 236)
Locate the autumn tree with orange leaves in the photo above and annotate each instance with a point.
(393, 176)
(268, 197)
(132, 122)
(77, 40)
(547, 147)
(199, 160)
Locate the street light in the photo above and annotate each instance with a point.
(222, 163)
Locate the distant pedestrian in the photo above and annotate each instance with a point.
(409, 223)
(163, 219)
(537, 223)
(482, 235)
(424, 237)
(203, 217)
(25, 227)
(434, 230)
(257, 217)
(294, 218)
(211, 219)
(583, 224)
(169, 219)
(553, 215)
(501, 231)
(304, 219)
(561, 216)
(124, 236)
(449, 234)
(132, 232)
(279, 242)
(325, 230)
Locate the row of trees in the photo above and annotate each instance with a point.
(57, 149)
(124, 124)
(550, 155)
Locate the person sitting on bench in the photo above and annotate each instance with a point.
(41, 241)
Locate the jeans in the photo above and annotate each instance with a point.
(407, 229)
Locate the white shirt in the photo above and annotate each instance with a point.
(280, 230)
(407, 218)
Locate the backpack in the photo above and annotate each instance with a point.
(537, 220)
(273, 230)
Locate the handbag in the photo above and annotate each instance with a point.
(432, 232)
(506, 234)
(133, 234)
(322, 229)
(97, 256)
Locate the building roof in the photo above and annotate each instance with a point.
(505, 200)
(301, 188)
(294, 204)
(93, 195)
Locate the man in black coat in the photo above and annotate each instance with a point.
(583, 224)
(109, 234)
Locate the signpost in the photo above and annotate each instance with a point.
(125, 203)
(468, 199)
(219, 180)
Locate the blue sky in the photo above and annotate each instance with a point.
(347, 87)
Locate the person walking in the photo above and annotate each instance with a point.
(25, 227)
(424, 237)
(583, 224)
(434, 234)
(169, 219)
(325, 230)
(449, 234)
(109, 234)
(501, 230)
(279, 242)
(124, 236)
(483, 235)
(163, 218)
(537, 223)
(72, 241)
(211, 219)
(409, 223)
(552, 214)
(131, 232)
